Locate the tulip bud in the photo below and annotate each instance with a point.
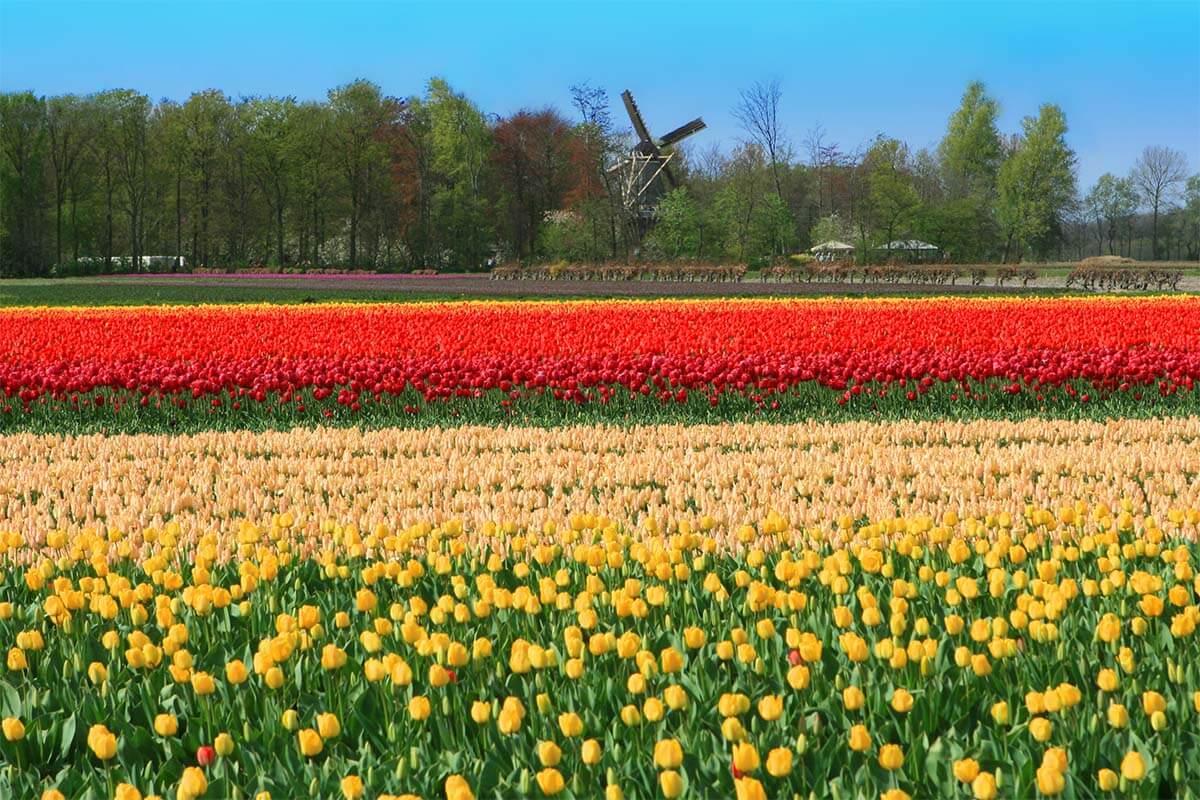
(801, 744)
(523, 784)
(315, 785)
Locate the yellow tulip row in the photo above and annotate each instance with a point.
(656, 479)
(1034, 586)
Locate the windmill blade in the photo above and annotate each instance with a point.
(682, 132)
(635, 116)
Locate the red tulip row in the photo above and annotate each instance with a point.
(576, 350)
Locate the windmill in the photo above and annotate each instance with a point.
(645, 172)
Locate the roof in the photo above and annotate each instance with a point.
(833, 244)
(907, 244)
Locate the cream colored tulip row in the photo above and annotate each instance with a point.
(807, 475)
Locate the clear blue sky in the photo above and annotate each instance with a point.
(1126, 74)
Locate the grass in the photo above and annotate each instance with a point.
(96, 292)
(215, 289)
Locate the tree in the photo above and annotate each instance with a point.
(130, 144)
(1108, 205)
(969, 158)
(22, 144)
(272, 145)
(204, 116)
(410, 144)
(970, 153)
(1191, 217)
(830, 229)
(892, 197)
(1156, 175)
(757, 112)
(310, 147)
(677, 230)
(1037, 184)
(68, 127)
(360, 112)
(461, 150)
(534, 170)
(596, 196)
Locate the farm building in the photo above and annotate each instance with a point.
(910, 249)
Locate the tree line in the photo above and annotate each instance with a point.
(361, 179)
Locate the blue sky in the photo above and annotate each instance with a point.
(1126, 74)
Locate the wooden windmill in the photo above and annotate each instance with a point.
(645, 172)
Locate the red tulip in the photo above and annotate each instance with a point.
(794, 657)
(205, 755)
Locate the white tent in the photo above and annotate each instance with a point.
(831, 250)
(832, 246)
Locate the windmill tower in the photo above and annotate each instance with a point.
(645, 173)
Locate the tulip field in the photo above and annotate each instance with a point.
(880, 548)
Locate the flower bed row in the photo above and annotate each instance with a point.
(798, 357)
(663, 478)
(1050, 655)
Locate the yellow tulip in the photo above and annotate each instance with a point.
(549, 754)
(984, 786)
(770, 707)
(102, 742)
(14, 729)
(419, 708)
(457, 788)
(202, 683)
(749, 789)
(310, 742)
(860, 739)
(352, 787)
(591, 752)
(550, 781)
(192, 784)
(966, 770)
(166, 725)
(891, 757)
(1133, 767)
(236, 672)
(126, 791)
(328, 725)
(779, 762)
(745, 757)
(668, 754)
(1049, 780)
